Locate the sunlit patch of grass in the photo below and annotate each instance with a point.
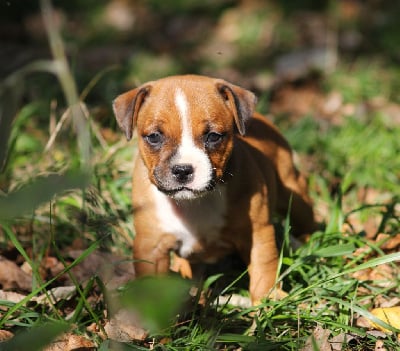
(365, 80)
(358, 152)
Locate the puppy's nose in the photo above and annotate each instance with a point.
(183, 173)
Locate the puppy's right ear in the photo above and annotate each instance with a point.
(126, 108)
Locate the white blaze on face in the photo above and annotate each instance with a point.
(188, 152)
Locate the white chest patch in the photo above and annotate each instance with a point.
(192, 220)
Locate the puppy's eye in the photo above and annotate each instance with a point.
(154, 139)
(213, 138)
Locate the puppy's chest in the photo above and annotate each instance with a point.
(196, 223)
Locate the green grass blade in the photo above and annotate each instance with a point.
(42, 189)
(35, 338)
(156, 299)
(335, 251)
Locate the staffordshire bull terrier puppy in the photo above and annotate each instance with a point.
(209, 176)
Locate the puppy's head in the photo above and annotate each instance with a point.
(185, 127)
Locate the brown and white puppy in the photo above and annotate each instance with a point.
(209, 177)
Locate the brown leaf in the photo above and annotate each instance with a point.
(382, 275)
(5, 335)
(11, 296)
(95, 329)
(181, 265)
(55, 295)
(339, 341)
(384, 301)
(390, 242)
(320, 336)
(113, 270)
(124, 327)
(71, 342)
(12, 277)
(377, 334)
(51, 265)
(363, 322)
(296, 101)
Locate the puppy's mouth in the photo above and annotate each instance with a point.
(185, 192)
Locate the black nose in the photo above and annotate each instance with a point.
(183, 173)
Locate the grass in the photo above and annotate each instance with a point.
(358, 152)
(89, 200)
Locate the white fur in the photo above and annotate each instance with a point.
(188, 152)
(189, 220)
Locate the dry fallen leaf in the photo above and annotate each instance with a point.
(182, 266)
(11, 296)
(382, 275)
(390, 315)
(51, 265)
(320, 336)
(113, 270)
(55, 295)
(71, 342)
(124, 327)
(339, 341)
(385, 301)
(5, 335)
(363, 322)
(12, 277)
(389, 242)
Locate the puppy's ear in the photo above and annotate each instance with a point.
(126, 108)
(241, 102)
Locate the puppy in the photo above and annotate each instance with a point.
(209, 177)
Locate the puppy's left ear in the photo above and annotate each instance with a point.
(241, 102)
(126, 108)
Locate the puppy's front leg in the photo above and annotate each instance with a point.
(151, 253)
(263, 263)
